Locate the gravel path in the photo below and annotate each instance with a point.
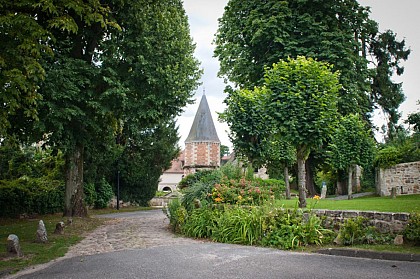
(126, 231)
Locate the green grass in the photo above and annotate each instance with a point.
(57, 246)
(38, 253)
(405, 203)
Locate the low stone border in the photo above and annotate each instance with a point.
(385, 222)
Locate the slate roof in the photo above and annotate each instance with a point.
(203, 128)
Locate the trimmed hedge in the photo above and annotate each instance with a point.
(31, 195)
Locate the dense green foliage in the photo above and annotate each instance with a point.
(358, 231)
(285, 229)
(31, 182)
(29, 31)
(412, 230)
(351, 144)
(146, 154)
(253, 35)
(102, 77)
(403, 148)
(296, 107)
(229, 185)
(31, 195)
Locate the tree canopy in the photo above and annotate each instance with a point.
(116, 71)
(297, 105)
(256, 34)
(351, 145)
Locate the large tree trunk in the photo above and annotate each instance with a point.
(73, 200)
(301, 181)
(310, 185)
(286, 182)
(349, 184)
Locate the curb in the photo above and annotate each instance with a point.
(390, 256)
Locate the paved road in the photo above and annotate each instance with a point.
(160, 254)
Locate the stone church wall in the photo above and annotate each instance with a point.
(404, 177)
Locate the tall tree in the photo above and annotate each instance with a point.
(27, 33)
(255, 34)
(299, 99)
(302, 104)
(105, 77)
(146, 155)
(351, 145)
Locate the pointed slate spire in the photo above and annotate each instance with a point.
(203, 128)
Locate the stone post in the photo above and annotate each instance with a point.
(41, 233)
(13, 245)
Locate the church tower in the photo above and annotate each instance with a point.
(202, 146)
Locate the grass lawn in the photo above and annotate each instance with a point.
(57, 246)
(405, 203)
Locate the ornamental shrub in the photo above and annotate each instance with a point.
(238, 224)
(290, 229)
(31, 195)
(176, 214)
(90, 193)
(104, 193)
(358, 231)
(412, 230)
(201, 222)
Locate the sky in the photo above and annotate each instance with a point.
(400, 16)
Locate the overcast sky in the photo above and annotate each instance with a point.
(400, 16)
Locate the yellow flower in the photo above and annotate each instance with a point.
(239, 197)
(316, 197)
(218, 199)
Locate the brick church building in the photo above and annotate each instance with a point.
(202, 149)
(202, 146)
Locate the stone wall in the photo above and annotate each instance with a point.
(404, 177)
(385, 222)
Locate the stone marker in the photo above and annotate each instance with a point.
(59, 228)
(324, 191)
(393, 192)
(13, 245)
(41, 233)
(69, 222)
(399, 240)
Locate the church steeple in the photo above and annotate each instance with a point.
(202, 146)
(203, 128)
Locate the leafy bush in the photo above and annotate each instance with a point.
(228, 186)
(31, 195)
(358, 231)
(104, 193)
(201, 223)
(388, 157)
(98, 194)
(412, 230)
(243, 192)
(289, 229)
(239, 224)
(403, 149)
(198, 191)
(90, 194)
(249, 225)
(202, 176)
(176, 214)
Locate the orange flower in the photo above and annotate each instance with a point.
(316, 197)
(218, 199)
